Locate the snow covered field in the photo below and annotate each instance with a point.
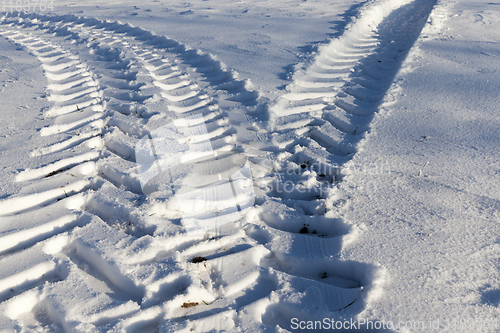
(234, 166)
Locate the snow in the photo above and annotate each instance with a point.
(432, 221)
(250, 166)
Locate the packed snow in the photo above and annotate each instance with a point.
(237, 166)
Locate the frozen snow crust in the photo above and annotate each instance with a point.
(84, 249)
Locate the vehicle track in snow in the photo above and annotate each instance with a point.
(124, 255)
(317, 126)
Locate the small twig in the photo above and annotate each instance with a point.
(420, 170)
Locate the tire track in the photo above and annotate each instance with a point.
(95, 267)
(114, 86)
(319, 123)
(339, 93)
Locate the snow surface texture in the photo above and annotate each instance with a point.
(104, 221)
